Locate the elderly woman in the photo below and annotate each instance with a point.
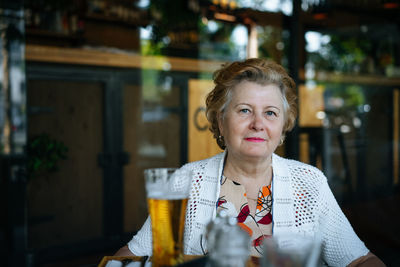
(250, 110)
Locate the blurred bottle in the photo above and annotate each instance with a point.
(227, 243)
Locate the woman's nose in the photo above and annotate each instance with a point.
(257, 123)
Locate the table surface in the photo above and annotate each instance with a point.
(252, 262)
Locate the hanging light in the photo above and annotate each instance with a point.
(320, 10)
(231, 4)
(225, 17)
(320, 15)
(391, 4)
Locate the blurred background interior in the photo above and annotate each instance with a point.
(93, 92)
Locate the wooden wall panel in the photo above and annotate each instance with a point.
(66, 206)
(201, 142)
(311, 101)
(152, 137)
(135, 208)
(396, 136)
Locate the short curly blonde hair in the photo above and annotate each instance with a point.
(260, 71)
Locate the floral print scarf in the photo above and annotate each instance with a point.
(234, 201)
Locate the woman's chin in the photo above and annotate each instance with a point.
(256, 155)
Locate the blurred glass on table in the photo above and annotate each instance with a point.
(167, 195)
(228, 245)
(291, 250)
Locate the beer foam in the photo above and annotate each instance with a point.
(167, 196)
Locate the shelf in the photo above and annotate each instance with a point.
(107, 58)
(50, 34)
(139, 22)
(52, 38)
(367, 79)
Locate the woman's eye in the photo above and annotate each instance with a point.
(270, 113)
(244, 110)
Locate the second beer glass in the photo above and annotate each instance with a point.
(167, 195)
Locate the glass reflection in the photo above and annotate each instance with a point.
(284, 6)
(273, 43)
(220, 41)
(12, 77)
(356, 126)
(364, 50)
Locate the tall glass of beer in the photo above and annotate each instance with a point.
(167, 195)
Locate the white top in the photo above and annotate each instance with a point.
(302, 203)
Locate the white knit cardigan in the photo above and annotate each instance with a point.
(302, 203)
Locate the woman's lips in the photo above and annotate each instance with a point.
(255, 139)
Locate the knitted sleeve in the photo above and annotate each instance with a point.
(141, 243)
(341, 244)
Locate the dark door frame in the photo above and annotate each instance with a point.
(111, 159)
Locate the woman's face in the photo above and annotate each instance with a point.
(253, 121)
